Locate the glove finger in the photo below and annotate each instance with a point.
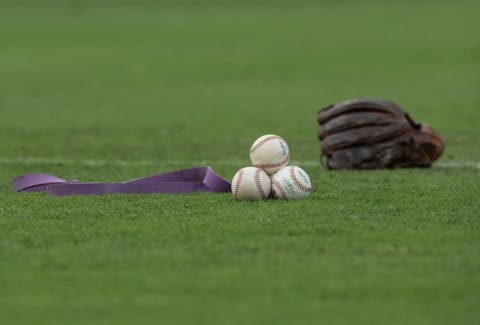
(354, 120)
(363, 136)
(359, 105)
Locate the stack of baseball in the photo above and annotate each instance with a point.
(270, 175)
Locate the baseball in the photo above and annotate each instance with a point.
(291, 182)
(251, 183)
(270, 153)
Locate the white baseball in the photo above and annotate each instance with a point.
(270, 153)
(251, 183)
(291, 182)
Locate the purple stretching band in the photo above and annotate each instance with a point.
(180, 181)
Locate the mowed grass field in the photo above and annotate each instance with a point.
(106, 91)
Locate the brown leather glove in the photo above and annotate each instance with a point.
(372, 133)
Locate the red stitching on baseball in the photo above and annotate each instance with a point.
(239, 180)
(272, 137)
(280, 188)
(297, 182)
(259, 184)
(272, 165)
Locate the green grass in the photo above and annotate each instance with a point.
(189, 82)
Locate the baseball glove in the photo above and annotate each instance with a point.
(372, 133)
